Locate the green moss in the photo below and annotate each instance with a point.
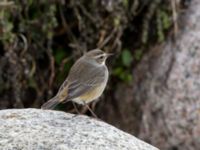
(138, 54)
(125, 3)
(127, 57)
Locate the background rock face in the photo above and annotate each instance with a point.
(44, 129)
(168, 82)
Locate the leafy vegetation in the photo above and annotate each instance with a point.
(40, 40)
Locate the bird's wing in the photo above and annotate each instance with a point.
(78, 89)
(82, 78)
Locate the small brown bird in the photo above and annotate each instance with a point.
(86, 80)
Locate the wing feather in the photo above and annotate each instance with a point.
(82, 78)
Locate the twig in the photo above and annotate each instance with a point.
(4, 4)
(80, 22)
(52, 62)
(67, 29)
(64, 61)
(24, 39)
(174, 14)
(116, 42)
(145, 27)
(108, 38)
(87, 14)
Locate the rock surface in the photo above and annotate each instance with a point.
(35, 129)
(167, 84)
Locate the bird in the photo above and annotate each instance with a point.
(85, 82)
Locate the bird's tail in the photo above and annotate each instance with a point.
(51, 103)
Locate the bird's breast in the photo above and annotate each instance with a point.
(93, 94)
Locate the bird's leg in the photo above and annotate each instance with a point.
(93, 105)
(93, 114)
(76, 109)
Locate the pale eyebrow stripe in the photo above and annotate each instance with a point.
(99, 55)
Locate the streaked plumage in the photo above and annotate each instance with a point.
(86, 80)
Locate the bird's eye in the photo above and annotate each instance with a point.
(101, 57)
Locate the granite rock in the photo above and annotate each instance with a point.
(167, 84)
(35, 129)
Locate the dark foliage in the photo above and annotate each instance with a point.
(40, 39)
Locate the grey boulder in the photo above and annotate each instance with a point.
(35, 129)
